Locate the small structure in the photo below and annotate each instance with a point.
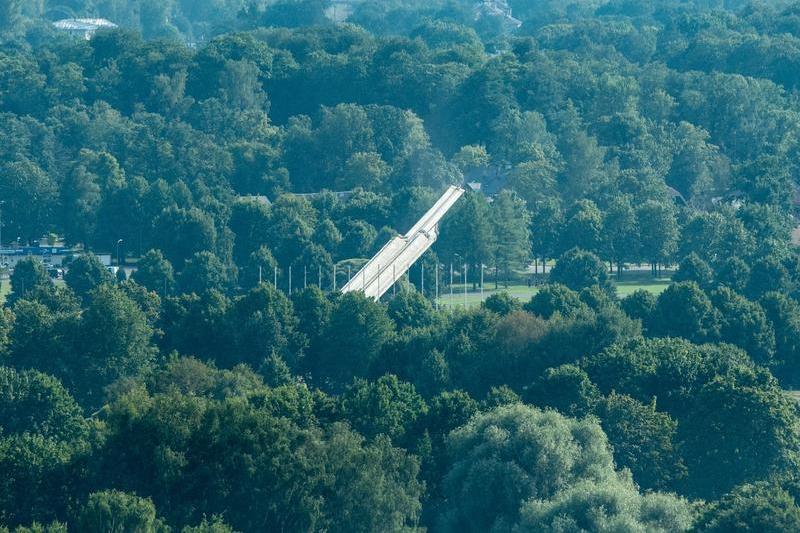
(499, 9)
(83, 28)
(257, 198)
(341, 195)
(339, 11)
(489, 180)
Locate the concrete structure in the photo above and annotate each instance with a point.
(394, 259)
(83, 28)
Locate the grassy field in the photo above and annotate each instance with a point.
(631, 282)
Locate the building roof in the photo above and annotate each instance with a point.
(497, 8)
(90, 25)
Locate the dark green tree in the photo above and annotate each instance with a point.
(547, 221)
(261, 322)
(555, 298)
(783, 314)
(566, 388)
(644, 441)
(745, 324)
(112, 341)
(180, 233)
(202, 272)
(621, 232)
(658, 232)
(723, 449)
(578, 269)
(511, 221)
(387, 406)
(683, 310)
(259, 268)
(502, 303)
(583, 228)
(639, 305)
(31, 197)
(29, 278)
(734, 273)
(467, 233)
(693, 268)
(753, 507)
(85, 273)
(357, 331)
(154, 272)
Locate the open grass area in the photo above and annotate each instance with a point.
(5, 289)
(656, 286)
(630, 283)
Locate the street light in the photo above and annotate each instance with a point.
(1, 227)
(119, 242)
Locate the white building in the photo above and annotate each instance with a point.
(83, 28)
(499, 9)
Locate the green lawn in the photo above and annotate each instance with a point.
(656, 286)
(630, 283)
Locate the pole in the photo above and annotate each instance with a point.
(290, 280)
(119, 261)
(465, 285)
(481, 281)
(305, 277)
(437, 285)
(319, 281)
(451, 283)
(275, 282)
(259, 275)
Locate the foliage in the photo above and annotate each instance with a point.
(117, 511)
(683, 310)
(233, 144)
(759, 507)
(387, 406)
(505, 457)
(85, 274)
(555, 298)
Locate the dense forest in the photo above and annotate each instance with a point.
(227, 143)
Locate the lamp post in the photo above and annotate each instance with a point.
(2, 202)
(119, 261)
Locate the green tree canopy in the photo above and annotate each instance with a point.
(85, 273)
(578, 269)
